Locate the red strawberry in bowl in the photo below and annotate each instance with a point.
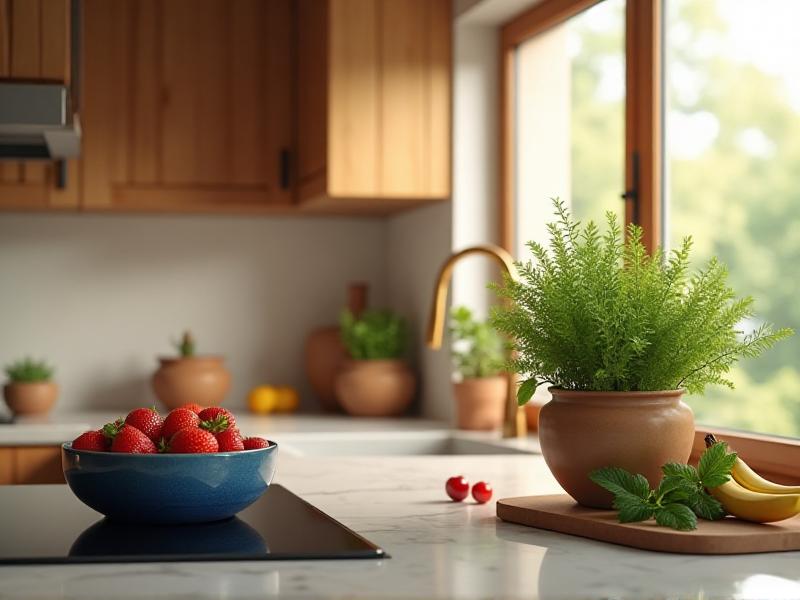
(132, 441)
(177, 419)
(193, 441)
(146, 420)
(254, 443)
(230, 440)
(92, 440)
(216, 419)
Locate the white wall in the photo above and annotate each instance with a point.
(418, 243)
(100, 296)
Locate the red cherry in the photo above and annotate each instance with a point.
(457, 488)
(482, 492)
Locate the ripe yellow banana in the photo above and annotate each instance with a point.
(746, 477)
(756, 506)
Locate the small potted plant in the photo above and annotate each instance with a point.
(30, 389)
(480, 387)
(191, 378)
(376, 381)
(620, 335)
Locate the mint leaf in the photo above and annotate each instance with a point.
(632, 508)
(674, 489)
(706, 507)
(677, 516)
(619, 481)
(715, 465)
(525, 391)
(687, 472)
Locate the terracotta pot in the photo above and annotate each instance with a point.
(480, 402)
(375, 388)
(638, 431)
(33, 398)
(323, 358)
(203, 380)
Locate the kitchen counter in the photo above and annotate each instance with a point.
(439, 549)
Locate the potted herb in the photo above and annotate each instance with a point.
(376, 380)
(478, 357)
(620, 336)
(191, 378)
(30, 389)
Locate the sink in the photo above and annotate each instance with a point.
(411, 443)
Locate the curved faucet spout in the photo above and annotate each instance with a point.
(439, 307)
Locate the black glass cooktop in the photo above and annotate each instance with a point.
(47, 524)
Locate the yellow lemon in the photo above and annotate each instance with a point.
(288, 399)
(262, 399)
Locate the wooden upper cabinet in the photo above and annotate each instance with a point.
(35, 46)
(374, 103)
(187, 105)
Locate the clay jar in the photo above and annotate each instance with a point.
(30, 398)
(202, 380)
(375, 388)
(480, 402)
(638, 431)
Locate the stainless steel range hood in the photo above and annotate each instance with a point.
(37, 121)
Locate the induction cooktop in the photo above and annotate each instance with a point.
(48, 524)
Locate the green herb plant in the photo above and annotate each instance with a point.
(478, 349)
(596, 312)
(28, 370)
(374, 335)
(186, 347)
(681, 496)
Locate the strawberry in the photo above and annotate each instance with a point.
(230, 440)
(178, 419)
(132, 441)
(146, 420)
(193, 441)
(195, 408)
(254, 443)
(216, 419)
(92, 440)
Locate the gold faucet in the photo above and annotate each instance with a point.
(514, 424)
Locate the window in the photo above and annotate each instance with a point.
(570, 97)
(682, 103)
(732, 140)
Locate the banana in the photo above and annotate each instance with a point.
(755, 506)
(747, 478)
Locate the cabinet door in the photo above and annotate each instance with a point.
(389, 105)
(34, 46)
(187, 104)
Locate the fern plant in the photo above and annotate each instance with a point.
(478, 349)
(595, 312)
(374, 335)
(28, 370)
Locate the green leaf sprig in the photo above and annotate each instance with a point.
(681, 496)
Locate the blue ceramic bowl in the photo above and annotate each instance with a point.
(168, 488)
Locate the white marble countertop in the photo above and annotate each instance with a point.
(439, 549)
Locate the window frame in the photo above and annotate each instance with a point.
(774, 456)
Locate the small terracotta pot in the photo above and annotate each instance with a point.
(203, 380)
(480, 402)
(375, 388)
(638, 431)
(532, 410)
(33, 398)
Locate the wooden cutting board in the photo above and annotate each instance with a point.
(727, 536)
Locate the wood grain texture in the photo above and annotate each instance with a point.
(55, 40)
(354, 143)
(6, 466)
(5, 38)
(37, 465)
(727, 536)
(26, 36)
